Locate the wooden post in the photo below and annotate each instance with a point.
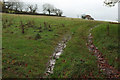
(23, 29)
(40, 28)
(45, 25)
(108, 30)
(63, 25)
(50, 28)
(22, 26)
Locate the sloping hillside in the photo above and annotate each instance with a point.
(29, 42)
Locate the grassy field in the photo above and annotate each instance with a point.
(27, 47)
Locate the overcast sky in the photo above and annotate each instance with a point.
(72, 8)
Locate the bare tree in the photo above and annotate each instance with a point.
(21, 6)
(35, 8)
(18, 6)
(32, 8)
(48, 8)
(26, 9)
(58, 12)
(9, 4)
(14, 5)
(111, 2)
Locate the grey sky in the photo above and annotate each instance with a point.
(72, 8)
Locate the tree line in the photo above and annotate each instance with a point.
(15, 6)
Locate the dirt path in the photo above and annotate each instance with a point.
(103, 65)
(58, 51)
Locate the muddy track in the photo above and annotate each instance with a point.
(103, 65)
(58, 51)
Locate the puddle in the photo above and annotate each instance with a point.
(56, 55)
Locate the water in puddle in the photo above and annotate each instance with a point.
(56, 55)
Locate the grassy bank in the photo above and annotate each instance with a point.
(106, 39)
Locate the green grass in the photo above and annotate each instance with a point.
(20, 49)
(107, 44)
